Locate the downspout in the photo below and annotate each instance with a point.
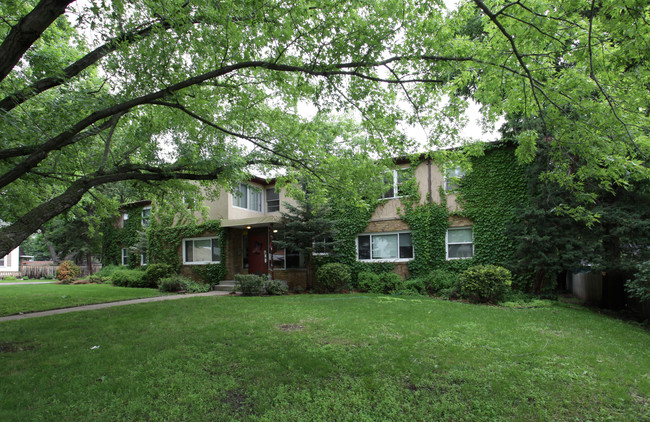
(429, 179)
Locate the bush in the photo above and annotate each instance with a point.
(275, 287)
(369, 282)
(414, 285)
(9, 277)
(174, 283)
(125, 277)
(249, 284)
(108, 270)
(97, 279)
(391, 282)
(639, 286)
(333, 277)
(67, 272)
(192, 286)
(487, 283)
(438, 280)
(154, 272)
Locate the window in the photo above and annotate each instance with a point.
(203, 250)
(398, 178)
(460, 243)
(287, 258)
(452, 177)
(125, 256)
(125, 216)
(3, 261)
(248, 197)
(272, 200)
(385, 247)
(146, 215)
(143, 259)
(323, 246)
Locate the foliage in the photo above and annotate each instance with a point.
(249, 284)
(275, 287)
(98, 279)
(115, 238)
(108, 270)
(440, 279)
(67, 272)
(487, 283)
(308, 229)
(386, 282)
(369, 282)
(174, 283)
(213, 273)
(155, 272)
(414, 285)
(333, 277)
(639, 286)
(126, 277)
(193, 287)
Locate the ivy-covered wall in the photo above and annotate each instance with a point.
(115, 238)
(164, 244)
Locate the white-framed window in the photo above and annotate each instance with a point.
(125, 256)
(201, 250)
(398, 177)
(287, 258)
(272, 200)
(322, 246)
(452, 176)
(460, 242)
(143, 259)
(247, 197)
(125, 216)
(146, 216)
(395, 246)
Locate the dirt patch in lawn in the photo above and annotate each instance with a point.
(290, 327)
(15, 347)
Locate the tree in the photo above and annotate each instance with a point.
(308, 229)
(153, 91)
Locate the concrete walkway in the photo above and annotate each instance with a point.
(25, 283)
(108, 305)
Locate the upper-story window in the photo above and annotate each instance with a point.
(3, 261)
(395, 179)
(452, 176)
(248, 197)
(146, 216)
(125, 216)
(272, 200)
(125, 256)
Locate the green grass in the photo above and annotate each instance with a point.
(42, 297)
(323, 358)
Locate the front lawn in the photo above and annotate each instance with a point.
(322, 358)
(43, 297)
(20, 280)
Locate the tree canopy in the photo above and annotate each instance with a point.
(153, 91)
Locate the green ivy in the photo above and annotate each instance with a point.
(489, 196)
(164, 243)
(115, 238)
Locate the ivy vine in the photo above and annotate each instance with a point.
(115, 238)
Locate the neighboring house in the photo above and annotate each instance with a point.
(10, 263)
(134, 218)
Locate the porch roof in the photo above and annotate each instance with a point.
(252, 221)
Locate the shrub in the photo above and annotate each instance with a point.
(97, 279)
(9, 277)
(387, 282)
(67, 272)
(639, 286)
(108, 270)
(249, 284)
(437, 280)
(154, 272)
(487, 283)
(369, 282)
(193, 287)
(414, 285)
(174, 283)
(333, 277)
(125, 277)
(276, 287)
(391, 282)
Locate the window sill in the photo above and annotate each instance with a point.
(202, 263)
(397, 260)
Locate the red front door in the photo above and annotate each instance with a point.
(257, 247)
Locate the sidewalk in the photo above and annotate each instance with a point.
(108, 305)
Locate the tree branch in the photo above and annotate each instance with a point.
(27, 31)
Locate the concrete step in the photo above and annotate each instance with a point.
(224, 286)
